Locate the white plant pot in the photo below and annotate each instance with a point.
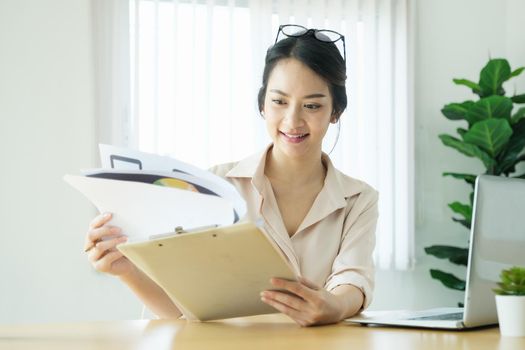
(511, 315)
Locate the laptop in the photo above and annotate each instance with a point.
(497, 242)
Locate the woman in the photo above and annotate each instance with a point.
(323, 220)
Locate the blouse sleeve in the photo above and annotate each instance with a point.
(354, 263)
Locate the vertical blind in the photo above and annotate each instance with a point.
(193, 69)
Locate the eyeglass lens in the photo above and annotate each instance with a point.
(323, 35)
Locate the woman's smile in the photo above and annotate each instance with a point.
(293, 138)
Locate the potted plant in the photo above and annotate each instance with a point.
(510, 302)
(493, 131)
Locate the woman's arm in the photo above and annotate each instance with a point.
(308, 304)
(150, 294)
(101, 242)
(351, 299)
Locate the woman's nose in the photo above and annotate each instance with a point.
(293, 117)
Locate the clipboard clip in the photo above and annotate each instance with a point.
(180, 230)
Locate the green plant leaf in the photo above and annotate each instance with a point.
(518, 98)
(509, 157)
(520, 114)
(517, 72)
(458, 256)
(468, 149)
(470, 84)
(491, 135)
(493, 75)
(462, 222)
(457, 111)
(470, 179)
(512, 281)
(490, 107)
(464, 210)
(461, 131)
(449, 280)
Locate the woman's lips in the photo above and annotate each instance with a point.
(293, 138)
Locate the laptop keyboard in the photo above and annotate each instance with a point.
(456, 316)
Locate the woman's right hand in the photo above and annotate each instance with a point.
(101, 242)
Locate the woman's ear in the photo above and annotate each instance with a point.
(335, 118)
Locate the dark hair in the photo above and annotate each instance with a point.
(321, 57)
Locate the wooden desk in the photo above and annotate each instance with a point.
(261, 332)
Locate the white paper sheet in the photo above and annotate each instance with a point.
(120, 158)
(143, 210)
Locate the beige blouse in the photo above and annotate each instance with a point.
(333, 245)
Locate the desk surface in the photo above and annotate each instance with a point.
(264, 332)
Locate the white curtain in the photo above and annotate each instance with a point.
(196, 66)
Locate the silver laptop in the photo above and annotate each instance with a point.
(497, 241)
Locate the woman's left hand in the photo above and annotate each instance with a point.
(306, 303)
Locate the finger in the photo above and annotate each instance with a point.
(285, 309)
(290, 300)
(294, 287)
(103, 247)
(104, 264)
(102, 233)
(100, 220)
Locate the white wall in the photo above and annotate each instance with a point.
(453, 39)
(47, 129)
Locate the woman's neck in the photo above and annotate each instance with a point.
(297, 171)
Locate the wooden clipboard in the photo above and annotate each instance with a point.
(213, 273)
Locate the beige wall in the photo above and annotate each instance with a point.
(47, 129)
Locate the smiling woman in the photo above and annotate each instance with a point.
(323, 221)
(194, 72)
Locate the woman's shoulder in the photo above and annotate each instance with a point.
(358, 187)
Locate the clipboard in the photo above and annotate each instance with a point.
(213, 273)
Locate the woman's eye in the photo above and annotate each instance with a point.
(277, 101)
(312, 106)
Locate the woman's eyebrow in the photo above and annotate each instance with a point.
(318, 95)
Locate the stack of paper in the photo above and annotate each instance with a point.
(150, 194)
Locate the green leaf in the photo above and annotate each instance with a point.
(468, 149)
(518, 98)
(512, 281)
(520, 114)
(475, 87)
(461, 132)
(491, 135)
(493, 75)
(490, 107)
(449, 280)
(517, 72)
(509, 157)
(464, 210)
(462, 222)
(457, 111)
(455, 255)
(470, 179)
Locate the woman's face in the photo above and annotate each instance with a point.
(297, 109)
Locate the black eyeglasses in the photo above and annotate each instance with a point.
(324, 35)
